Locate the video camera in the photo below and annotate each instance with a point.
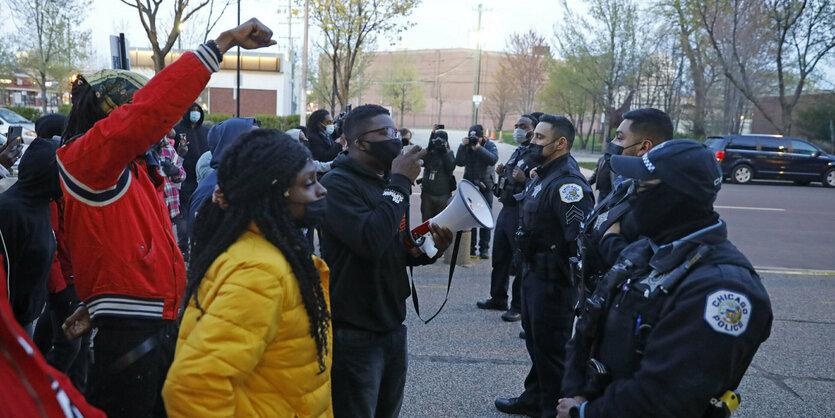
(340, 120)
(438, 140)
(474, 136)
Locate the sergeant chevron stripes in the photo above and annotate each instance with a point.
(574, 214)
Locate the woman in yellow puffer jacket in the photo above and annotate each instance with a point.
(255, 339)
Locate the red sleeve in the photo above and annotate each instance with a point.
(63, 250)
(95, 164)
(4, 294)
(55, 282)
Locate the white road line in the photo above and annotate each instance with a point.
(750, 208)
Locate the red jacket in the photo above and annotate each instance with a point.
(31, 388)
(124, 257)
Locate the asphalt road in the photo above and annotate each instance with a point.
(465, 358)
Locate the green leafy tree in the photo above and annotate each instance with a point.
(402, 87)
(814, 121)
(48, 42)
(570, 93)
(605, 48)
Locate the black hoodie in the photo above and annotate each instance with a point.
(363, 243)
(198, 143)
(28, 241)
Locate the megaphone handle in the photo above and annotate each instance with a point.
(428, 246)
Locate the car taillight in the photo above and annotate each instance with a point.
(720, 155)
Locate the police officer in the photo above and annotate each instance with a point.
(478, 155)
(672, 327)
(551, 209)
(512, 177)
(640, 131)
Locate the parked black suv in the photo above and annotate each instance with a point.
(746, 157)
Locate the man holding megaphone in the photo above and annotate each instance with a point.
(363, 244)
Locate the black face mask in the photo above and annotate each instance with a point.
(613, 149)
(314, 213)
(385, 151)
(535, 153)
(661, 212)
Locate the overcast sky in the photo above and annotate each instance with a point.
(437, 23)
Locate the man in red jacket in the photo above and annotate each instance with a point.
(128, 269)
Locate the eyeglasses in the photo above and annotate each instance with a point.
(391, 133)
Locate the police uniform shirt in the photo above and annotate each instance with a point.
(668, 354)
(556, 200)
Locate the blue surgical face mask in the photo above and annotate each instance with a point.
(194, 116)
(329, 129)
(520, 135)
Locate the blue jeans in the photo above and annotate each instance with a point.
(369, 372)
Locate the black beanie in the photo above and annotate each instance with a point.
(50, 125)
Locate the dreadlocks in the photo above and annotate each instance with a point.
(85, 111)
(253, 174)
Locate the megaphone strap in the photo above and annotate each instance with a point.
(452, 262)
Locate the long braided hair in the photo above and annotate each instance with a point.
(85, 111)
(253, 175)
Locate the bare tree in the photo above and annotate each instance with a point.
(502, 96)
(149, 16)
(525, 57)
(794, 34)
(48, 44)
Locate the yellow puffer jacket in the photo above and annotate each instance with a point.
(251, 353)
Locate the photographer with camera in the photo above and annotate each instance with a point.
(437, 183)
(478, 155)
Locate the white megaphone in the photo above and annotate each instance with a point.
(468, 209)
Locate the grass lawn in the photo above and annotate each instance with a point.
(588, 166)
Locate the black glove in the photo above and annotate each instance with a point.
(169, 168)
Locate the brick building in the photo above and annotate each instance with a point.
(448, 80)
(18, 89)
(265, 85)
(772, 105)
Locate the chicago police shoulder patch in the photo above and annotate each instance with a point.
(571, 193)
(728, 312)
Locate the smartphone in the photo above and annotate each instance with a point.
(439, 126)
(15, 132)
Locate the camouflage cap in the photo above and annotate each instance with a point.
(114, 88)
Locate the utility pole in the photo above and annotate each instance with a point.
(303, 89)
(290, 52)
(477, 88)
(238, 73)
